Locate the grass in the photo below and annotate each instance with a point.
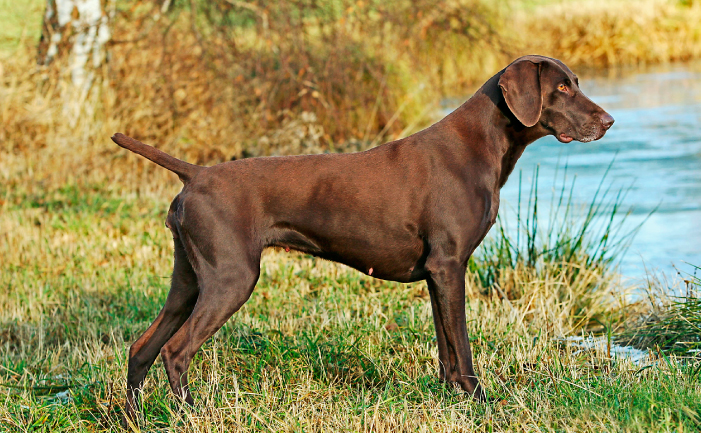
(616, 33)
(17, 22)
(318, 347)
(672, 322)
(211, 80)
(217, 82)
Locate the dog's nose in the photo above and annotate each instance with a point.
(607, 120)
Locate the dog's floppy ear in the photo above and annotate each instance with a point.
(520, 85)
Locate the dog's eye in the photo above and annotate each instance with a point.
(562, 88)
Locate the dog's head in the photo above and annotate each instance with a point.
(543, 91)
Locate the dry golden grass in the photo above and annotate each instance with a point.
(614, 33)
(350, 79)
(318, 347)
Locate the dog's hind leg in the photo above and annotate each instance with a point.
(178, 307)
(224, 288)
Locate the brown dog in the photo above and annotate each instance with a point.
(413, 209)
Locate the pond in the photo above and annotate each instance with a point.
(656, 143)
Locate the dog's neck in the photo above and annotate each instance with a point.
(486, 112)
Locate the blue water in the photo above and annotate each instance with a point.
(656, 143)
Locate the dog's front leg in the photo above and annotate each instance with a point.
(447, 288)
(446, 355)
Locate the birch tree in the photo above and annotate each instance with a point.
(77, 31)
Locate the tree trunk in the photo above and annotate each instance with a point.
(76, 30)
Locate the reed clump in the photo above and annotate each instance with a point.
(671, 321)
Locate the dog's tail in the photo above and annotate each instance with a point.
(184, 170)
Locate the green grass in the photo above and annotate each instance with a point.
(673, 322)
(595, 236)
(318, 347)
(21, 22)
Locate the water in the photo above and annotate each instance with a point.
(656, 142)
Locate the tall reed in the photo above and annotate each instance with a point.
(572, 249)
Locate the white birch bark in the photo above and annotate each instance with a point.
(80, 30)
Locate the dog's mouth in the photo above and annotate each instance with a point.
(564, 138)
(585, 135)
(592, 133)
